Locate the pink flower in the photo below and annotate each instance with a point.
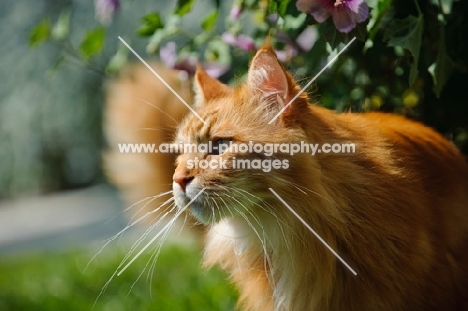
(235, 13)
(105, 9)
(188, 63)
(307, 38)
(304, 42)
(286, 54)
(214, 69)
(345, 13)
(240, 41)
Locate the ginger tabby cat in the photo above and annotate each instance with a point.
(396, 210)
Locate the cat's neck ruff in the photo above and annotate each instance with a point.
(264, 256)
(232, 234)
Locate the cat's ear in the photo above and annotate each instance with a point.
(208, 88)
(268, 79)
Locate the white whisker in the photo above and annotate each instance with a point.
(123, 230)
(315, 233)
(168, 225)
(156, 107)
(147, 232)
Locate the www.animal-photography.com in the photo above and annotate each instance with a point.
(249, 155)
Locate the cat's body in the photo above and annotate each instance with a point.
(140, 109)
(404, 234)
(396, 210)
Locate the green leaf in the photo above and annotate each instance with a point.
(251, 4)
(40, 33)
(201, 39)
(283, 7)
(117, 62)
(331, 35)
(446, 6)
(407, 33)
(151, 22)
(153, 19)
(155, 40)
(183, 7)
(61, 28)
(145, 31)
(360, 32)
(442, 68)
(93, 42)
(272, 6)
(377, 12)
(209, 22)
(218, 51)
(291, 22)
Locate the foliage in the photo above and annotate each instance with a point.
(93, 42)
(402, 47)
(407, 33)
(59, 281)
(40, 33)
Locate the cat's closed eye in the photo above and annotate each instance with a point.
(219, 145)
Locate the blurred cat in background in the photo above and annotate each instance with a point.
(140, 109)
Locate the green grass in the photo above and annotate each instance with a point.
(57, 281)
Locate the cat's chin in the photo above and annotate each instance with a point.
(207, 216)
(200, 211)
(203, 213)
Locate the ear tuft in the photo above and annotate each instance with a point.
(267, 44)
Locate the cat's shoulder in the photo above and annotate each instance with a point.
(390, 124)
(400, 132)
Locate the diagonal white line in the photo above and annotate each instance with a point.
(168, 225)
(311, 81)
(162, 80)
(312, 230)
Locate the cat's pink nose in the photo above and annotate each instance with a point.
(182, 180)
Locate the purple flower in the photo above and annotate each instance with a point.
(240, 41)
(168, 54)
(235, 13)
(345, 13)
(215, 69)
(188, 63)
(286, 54)
(105, 9)
(304, 42)
(307, 38)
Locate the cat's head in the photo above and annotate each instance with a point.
(252, 114)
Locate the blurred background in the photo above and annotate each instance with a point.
(57, 211)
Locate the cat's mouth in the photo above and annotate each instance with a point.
(198, 207)
(205, 210)
(211, 205)
(201, 212)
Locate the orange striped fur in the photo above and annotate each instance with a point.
(396, 210)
